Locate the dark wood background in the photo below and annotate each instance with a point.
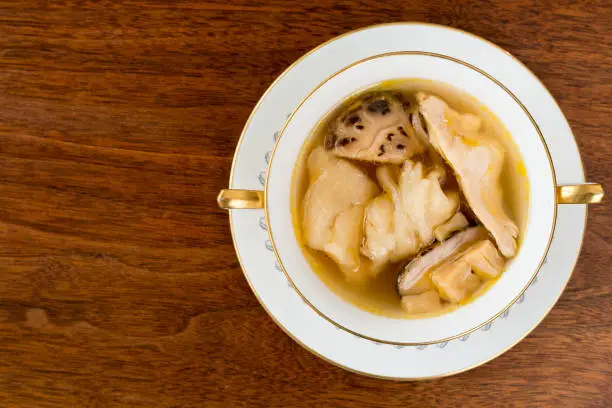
(118, 280)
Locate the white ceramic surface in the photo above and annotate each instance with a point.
(289, 310)
(521, 269)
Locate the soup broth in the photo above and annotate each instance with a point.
(379, 294)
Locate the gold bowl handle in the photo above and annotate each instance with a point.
(589, 193)
(240, 199)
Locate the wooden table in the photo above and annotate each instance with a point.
(119, 285)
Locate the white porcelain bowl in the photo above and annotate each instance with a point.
(251, 232)
(541, 215)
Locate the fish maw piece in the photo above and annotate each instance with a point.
(379, 241)
(418, 205)
(456, 223)
(345, 241)
(485, 260)
(455, 281)
(387, 229)
(374, 129)
(424, 201)
(477, 162)
(426, 302)
(335, 186)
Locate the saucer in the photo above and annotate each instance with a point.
(298, 319)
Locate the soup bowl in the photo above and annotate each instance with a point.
(544, 196)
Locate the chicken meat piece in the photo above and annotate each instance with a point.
(399, 223)
(426, 302)
(375, 129)
(420, 286)
(413, 273)
(477, 162)
(455, 281)
(345, 241)
(424, 201)
(378, 230)
(485, 260)
(455, 267)
(456, 223)
(333, 208)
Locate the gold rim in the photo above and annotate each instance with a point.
(240, 140)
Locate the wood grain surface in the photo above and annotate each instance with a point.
(119, 285)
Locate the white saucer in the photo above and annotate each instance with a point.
(278, 297)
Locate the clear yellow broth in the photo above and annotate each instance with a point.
(379, 295)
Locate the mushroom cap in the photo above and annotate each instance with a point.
(376, 129)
